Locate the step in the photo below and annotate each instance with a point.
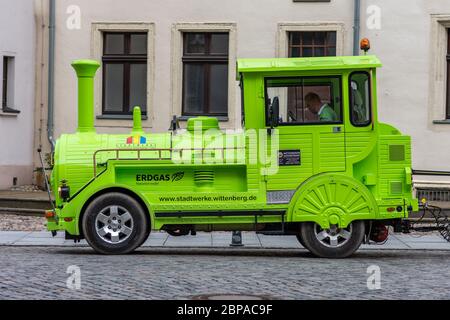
(22, 211)
(25, 200)
(25, 204)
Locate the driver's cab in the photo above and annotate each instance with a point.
(319, 106)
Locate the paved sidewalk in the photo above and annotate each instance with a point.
(251, 240)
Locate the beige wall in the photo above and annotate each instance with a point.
(17, 39)
(406, 43)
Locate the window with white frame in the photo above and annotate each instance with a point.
(136, 83)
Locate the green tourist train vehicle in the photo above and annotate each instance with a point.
(312, 160)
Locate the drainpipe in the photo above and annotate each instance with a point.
(356, 27)
(51, 74)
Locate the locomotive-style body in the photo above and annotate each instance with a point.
(311, 160)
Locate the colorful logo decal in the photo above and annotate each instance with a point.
(136, 140)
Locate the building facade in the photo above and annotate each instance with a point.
(178, 58)
(17, 66)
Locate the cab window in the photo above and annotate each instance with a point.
(360, 99)
(305, 100)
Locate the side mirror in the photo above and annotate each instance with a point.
(274, 112)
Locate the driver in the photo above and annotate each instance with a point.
(322, 110)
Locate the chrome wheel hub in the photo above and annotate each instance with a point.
(334, 237)
(114, 224)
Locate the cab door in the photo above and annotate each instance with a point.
(310, 127)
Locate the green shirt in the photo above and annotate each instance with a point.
(327, 114)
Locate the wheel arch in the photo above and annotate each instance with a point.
(308, 206)
(126, 191)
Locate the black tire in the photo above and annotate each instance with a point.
(319, 249)
(147, 234)
(300, 239)
(123, 204)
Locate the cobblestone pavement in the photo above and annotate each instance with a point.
(165, 273)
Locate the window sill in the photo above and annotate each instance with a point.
(186, 118)
(447, 121)
(118, 117)
(9, 112)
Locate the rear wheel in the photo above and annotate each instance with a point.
(115, 223)
(334, 242)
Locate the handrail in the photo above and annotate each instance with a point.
(159, 150)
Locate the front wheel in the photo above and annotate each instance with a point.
(114, 223)
(334, 242)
